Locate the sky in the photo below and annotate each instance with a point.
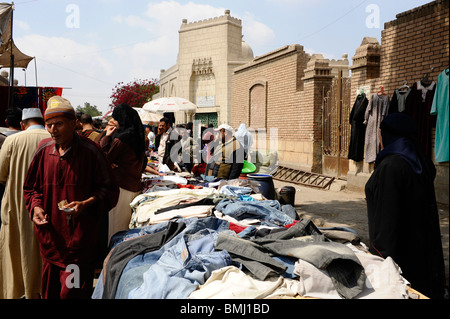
(88, 46)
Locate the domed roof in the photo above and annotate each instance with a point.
(246, 52)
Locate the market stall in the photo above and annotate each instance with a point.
(190, 238)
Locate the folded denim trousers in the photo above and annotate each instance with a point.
(343, 266)
(341, 263)
(251, 255)
(127, 250)
(132, 275)
(268, 211)
(182, 268)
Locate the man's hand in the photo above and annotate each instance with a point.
(79, 206)
(39, 216)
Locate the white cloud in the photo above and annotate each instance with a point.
(23, 25)
(256, 33)
(169, 14)
(329, 56)
(163, 19)
(79, 68)
(65, 52)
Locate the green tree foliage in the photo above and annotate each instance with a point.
(135, 93)
(89, 109)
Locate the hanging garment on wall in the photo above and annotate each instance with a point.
(25, 97)
(399, 100)
(358, 129)
(45, 93)
(419, 107)
(375, 113)
(440, 108)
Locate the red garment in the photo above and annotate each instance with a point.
(290, 225)
(190, 186)
(236, 228)
(199, 169)
(80, 173)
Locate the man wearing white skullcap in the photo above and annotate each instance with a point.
(20, 260)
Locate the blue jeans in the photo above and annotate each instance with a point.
(268, 211)
(132, 275)
(182, 267)
(235, 191)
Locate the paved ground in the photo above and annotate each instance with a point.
(337, 207)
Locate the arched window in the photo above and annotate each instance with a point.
(258, 106)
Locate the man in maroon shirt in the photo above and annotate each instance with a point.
(68, 187)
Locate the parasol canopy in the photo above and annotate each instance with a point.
(147, 117)
(170, 104)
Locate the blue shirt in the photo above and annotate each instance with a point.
(440, 108)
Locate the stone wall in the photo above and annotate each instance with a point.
(416, 43)
(283, 91)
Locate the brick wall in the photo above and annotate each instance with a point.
(416, 43)
(278, 74)
(274, 80)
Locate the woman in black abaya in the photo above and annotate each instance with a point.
(124, 145)
(401, 206)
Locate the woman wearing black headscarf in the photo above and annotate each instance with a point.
(124, 145)
(401, 206)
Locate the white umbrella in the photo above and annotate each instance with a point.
(170, 104)
(148, 117)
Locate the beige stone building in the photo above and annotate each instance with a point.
(209, 50)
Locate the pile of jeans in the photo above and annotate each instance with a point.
(262, 241)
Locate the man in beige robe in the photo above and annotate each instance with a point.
(20, 260)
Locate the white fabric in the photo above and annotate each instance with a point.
(243, 222)
(384, 280)
(231, 283)
(162, 145)
(119, 216)
(145, 205)
(240, 135)
(198, 211)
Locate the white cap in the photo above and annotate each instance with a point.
(225, 127)
(30, 113)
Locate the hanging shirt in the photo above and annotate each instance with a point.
(376, 111)
(440, 108)
(399, 100)
(418, 106)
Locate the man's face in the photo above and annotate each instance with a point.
(162, 127)
(61, 129)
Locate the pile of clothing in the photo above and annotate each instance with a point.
(223, 239)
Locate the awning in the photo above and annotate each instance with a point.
(21, 60)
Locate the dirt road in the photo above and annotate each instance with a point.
(334, 207)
